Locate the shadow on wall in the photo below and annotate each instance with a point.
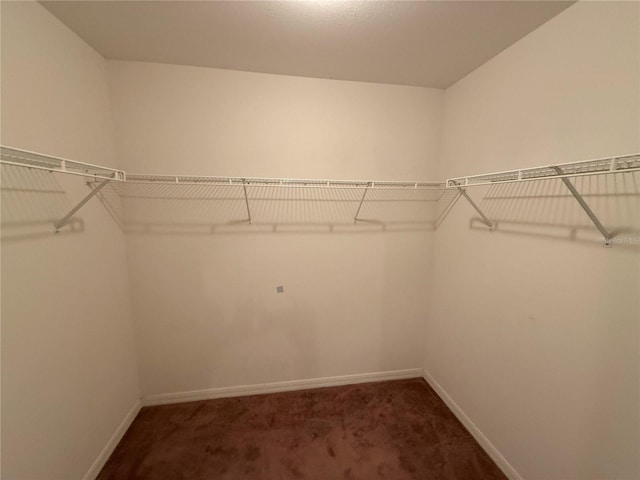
(546, 208)
(32, 202)
(215, 209)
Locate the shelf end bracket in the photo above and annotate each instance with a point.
(484, 218)
(246, 199)
(605, 233)
(94, 190)
(355, 217)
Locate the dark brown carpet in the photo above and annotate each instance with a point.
(387, 430)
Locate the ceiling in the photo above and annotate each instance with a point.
(428, 43)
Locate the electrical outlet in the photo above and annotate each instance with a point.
(280, 289)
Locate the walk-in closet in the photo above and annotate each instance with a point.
(320, 240)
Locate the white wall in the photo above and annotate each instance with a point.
(205, 304)
(535, 337)
(69, 372)
(533, 334)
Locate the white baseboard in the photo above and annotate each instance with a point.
(108, 449)
(484, 442)
(243, 390)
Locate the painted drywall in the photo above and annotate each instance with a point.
(535, 338)
(69, 373)
(205, 301)
(534, 330)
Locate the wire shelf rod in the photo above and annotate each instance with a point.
(28, 159)
(601, 166)
(281, 182)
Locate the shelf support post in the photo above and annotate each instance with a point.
(355, 217)
(605, 233)
(61, 223)
(484, 218)
(246, 199)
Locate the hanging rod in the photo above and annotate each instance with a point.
(39, 161)
(625, 163)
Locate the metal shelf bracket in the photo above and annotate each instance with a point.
(94, 190)
(355, 217)
(605, 233)
(246, 199)
(484, 218)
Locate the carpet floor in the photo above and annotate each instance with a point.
(393, 430)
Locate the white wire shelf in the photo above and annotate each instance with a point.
(247, 199)
(564, 171)
(39, 161)
(216, 200)
(280, 182)
(354, 199)
(601, 166)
